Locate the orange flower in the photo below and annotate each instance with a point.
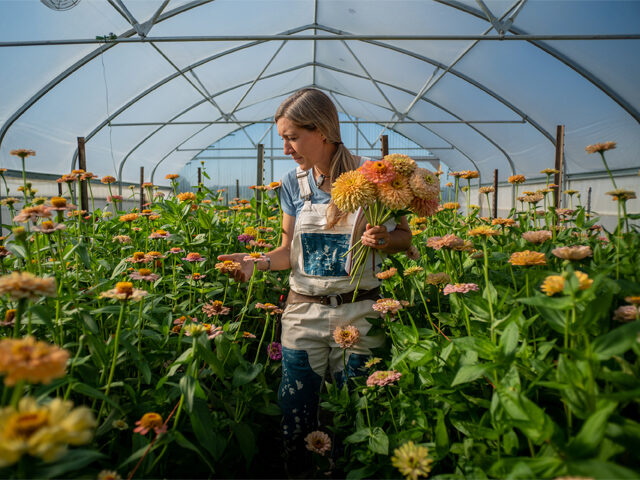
(350, 191)
(124, 291)
(527, 257)
(424, 184)
(516, 179)
(171, 176)
(402, 164)
(503, 221)
(26, 285)
(386, 274)
(378, 172)
(23, 153)
(396, 194)
(486, 190)
(537, 236)
(451, 206)
(129, 217)
(483, 231)
(577, 252)
(469, 174)
(150, 421)
(108, 179)
(228, 266)
(600, 147)
(31, 360)
(187, 197)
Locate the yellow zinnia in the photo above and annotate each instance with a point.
(412, 460)
(352, 190)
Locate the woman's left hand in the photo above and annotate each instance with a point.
(376, 237)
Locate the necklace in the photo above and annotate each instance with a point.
(321, 178)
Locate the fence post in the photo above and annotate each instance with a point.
(384, 145)
(141, 188)
(495, 193)
(557, 177)
(82, 164)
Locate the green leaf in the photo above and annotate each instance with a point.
(121, 267)
(616, 342)
(210, 359)
(468, 373)
(85, 389)
(72, 461)
(245, 373)
(17, 249)
(483, 347)
(597, 469)
(509, 339)
(83, 254)
(441, 434)
(553, 303)
(188, 389)
(526, 415)
(246, 439)
(379, 442)
(184, 443)
(358, 436)
(585, 444)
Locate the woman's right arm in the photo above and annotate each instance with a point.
(279, 258)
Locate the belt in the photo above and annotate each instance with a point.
(333, 300)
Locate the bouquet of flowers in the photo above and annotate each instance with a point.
(384, 189)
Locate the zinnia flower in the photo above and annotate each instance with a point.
(450, 241)
(526, 258)
(23, 153)
(387, 274)
(318, 442)
(125, 291)
(389, 305)
(378, 172)
(412, 270)
(108, 475)
(228, 266)
(108, 179)
(450, 206)
(486, 190)
(26, 285)
(33, 214)
(31, 360)
(622, 194)
(552, 284)
(346, 337)
(424, 184)
(549, 171)
(483, 231)
(159, 234)
(144, 274)
(215, 307)
(577, 252)
(43, 431)
(439, 278)
(244, 238)
(194, 257)
(138, 257)
(48, 227)
(402, 164)
(537, 236)
(129, 217)
(383, 377)
(600, 147)
(274, 350)
(516, 179)
(425, 207)
(396, 194)
(171, 176)
(460, 288)
(633, 299)
(503, 221)
(352, 190)
(372, 362)
(150, 421)
(187, 197)
(626, 313)
(270, 308)
(412, 461)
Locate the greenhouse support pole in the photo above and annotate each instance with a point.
(260, 176)
(589, 201)
(141, 188)
(237, 188)
(495, 193)
(384, 145)
(59, 189)
(82, 165)
(557, 177)
(199, 179)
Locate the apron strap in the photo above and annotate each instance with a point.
(303, 184)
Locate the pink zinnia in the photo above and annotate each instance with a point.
(380, 171)
(318, 442)
(389, 305)
(215, 307)
(460, 288)
(193, 257)
(275, 351)
(383, 377)
(245, 238)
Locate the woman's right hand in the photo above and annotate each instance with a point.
(245, 271)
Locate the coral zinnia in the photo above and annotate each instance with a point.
(389, 305)
(107, 179)
(228, 266)
(383, 377)
(187, 197)
(215, 307)
(42, 431)
(26, 285)
(402, 164)
(425, 207)
(352, 190)
(346, 337)
(378, 172)
(460, 288)
(150, 421)
(424, 183)
(483, 231)
(386, 274)
(23, 153)
(31, 360)
(600, 147)
(125, 291)
(527, 257)
(412, 461)
(577, 252)
(516, 179)
(318, 442)
(396, 194)
(537, 236)
(32, 213)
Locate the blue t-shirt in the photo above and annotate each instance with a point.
(290, 193)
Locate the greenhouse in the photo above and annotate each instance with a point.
(319, 239)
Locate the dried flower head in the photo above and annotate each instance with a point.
(412, 460)
(600, 147)
(576, 252)
(352, 190)
(318, 442)
(31, 360)
(383, 377)
(346, 337)
(20, 285)
(527, 257)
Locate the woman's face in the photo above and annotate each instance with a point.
(306, 147)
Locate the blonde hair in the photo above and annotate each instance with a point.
(311, 109)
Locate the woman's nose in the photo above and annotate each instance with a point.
(288, 150)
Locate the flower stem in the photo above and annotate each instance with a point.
(114, 358)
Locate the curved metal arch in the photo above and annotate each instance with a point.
(83, 61)
(589, 76)
(332, 91)
(166, 80)
(458, 74)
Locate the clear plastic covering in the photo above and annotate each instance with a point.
(471, 103)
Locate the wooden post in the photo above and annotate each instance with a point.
(495, 193)
(141, 189)
(199, 179)
(237, 188)
(59, 189)
(260, 176)
(557, 178)
(589, 201)
(82, 164)
(384, 145)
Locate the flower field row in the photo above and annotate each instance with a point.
(127, 350)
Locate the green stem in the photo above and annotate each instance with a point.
(115, 356)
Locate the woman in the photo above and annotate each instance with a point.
(315, 237)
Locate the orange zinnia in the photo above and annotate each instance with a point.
(527, 257)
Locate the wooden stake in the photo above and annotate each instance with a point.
(237, 188)
(82, 164)
(199, 179)
(495, 193)
(59, 189)
(141, 189)
(557, 178)
(589, 200)
(260, 175)
(384, 145)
